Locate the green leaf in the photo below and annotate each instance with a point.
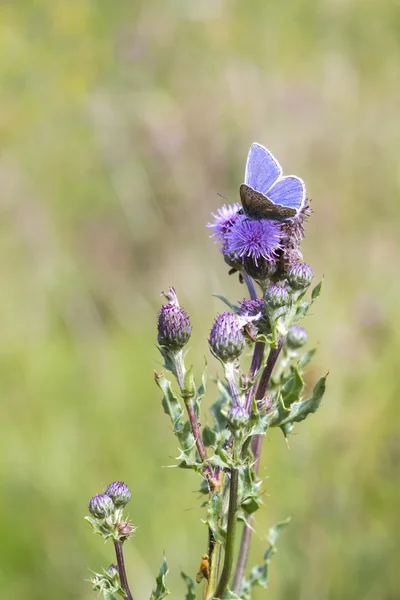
(300, 410)
(233, 307)
(190, 585)
(214, 509)
(170, 402)
(249, 489)
(189, 386)
(292, 389)
(304, 361)
(210, 437)
(161, 589)
(201, 390)
(316, 291)
(259, 574)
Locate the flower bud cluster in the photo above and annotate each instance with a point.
(106, 512)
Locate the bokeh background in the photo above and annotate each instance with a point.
(120, 122)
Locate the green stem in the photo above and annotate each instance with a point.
(230, 534)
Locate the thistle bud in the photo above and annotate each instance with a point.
(101, 506)
(125, 529)
(300, 276)
(237, 417)
(296, 337)
(276, 297)
(174, 329)
(119, 493)
(227, 341)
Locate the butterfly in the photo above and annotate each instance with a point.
(266, 194)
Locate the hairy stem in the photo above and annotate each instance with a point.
(121, 569)
(230, 534)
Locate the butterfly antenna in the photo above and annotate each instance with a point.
(222, 196)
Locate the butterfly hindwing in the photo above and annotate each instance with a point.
(289, 191)
(258, 206)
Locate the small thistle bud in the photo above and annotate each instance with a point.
(237, 417)
(296, 338)
(276, 297)
(227, 341)
(101, 506)
(112, 571)
(119, 493)
(299, 276)
(174, 329)
(125, 529)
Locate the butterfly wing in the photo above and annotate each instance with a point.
(262, 169)
(258, 206)
(289, 192)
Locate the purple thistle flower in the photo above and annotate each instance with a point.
(255, 239)
(119, 493)
(223, 220)
(101, 506)
(227, 341)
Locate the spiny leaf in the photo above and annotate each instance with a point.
(214, 508)
(292, 389)
(304, 361)
(233, 307)
(201, 390)
(259, 574)
(161, 589)
(210, 436)
(190, 585)
(300, 410)
(170, 402)
(316, 291)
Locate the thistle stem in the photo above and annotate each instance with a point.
(256, 447)
(121, 569)
(230, 534)
(250, 286)
(195, 426)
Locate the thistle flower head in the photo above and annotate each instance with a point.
(299, 276)
(296, 337)
(101, 506)
(174, 328)
(223, 220)
(254, 239)
(119, 493)
(226, 340)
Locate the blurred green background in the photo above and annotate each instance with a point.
(119, 123)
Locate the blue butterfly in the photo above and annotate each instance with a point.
(266, 194)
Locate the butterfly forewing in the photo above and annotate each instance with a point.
(262, 169)
(258, 206)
